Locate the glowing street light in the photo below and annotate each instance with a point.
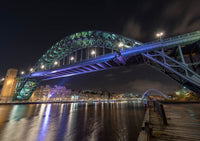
(121, 44)
(42, 67)
(56, 63)
(93, 52)
(2, 79)
(72, 58)
(31, 69)
(159, 35)
(22, 72)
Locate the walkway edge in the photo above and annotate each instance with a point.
(144, 134)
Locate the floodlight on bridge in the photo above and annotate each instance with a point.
(72, 58)
(55, 63)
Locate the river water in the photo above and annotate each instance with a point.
(71, 121)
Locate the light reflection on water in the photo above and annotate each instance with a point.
(71, 121)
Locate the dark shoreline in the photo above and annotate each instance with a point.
(179, 102)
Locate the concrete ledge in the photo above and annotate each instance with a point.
(144, 134)
(178, 102)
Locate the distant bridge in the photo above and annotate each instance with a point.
(91, 51)
(156, 91)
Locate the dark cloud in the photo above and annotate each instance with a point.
(132, 29)
(174, 9)
(109, 75)
(185, 13)
(140, 86)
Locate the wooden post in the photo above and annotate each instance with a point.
(163, 114)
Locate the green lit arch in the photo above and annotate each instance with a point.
(82, 40)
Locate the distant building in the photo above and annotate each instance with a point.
(47, 93)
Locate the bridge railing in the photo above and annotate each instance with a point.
(169, 42)
(160, 109)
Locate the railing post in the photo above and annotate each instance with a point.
(163, 114)
(81, 54)
(181, 54)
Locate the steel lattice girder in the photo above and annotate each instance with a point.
(83, 40)
(174, 69)
(25, 87)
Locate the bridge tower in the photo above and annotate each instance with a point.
(9, 86)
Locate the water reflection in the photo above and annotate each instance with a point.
(74, 121)
(45, 123)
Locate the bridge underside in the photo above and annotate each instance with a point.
(180, 61)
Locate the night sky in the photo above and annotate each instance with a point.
(29, 29)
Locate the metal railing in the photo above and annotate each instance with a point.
(160, 109)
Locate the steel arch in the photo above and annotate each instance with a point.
(155, 90)
(82, 40)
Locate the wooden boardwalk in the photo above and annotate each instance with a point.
(183, 120)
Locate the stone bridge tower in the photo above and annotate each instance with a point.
(9, 85)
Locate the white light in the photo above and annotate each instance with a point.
(53, 71)
(2, 79)
(72, 58)
(160, 34)
(120, 44)
(31, 69)
(93, 52)
(22, 72)
(42, 66)
(55, 63)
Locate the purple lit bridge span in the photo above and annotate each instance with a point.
(85, 52)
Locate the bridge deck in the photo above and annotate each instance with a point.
(183, 120)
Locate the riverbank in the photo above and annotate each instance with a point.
(179, 102)
(69, 101)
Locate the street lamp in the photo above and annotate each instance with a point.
(55, 63)
(22, 72)
(72, 58)
(93, 52)
(31, 69)
(121, 44)
(2, 79)
(42, 67)
(159, 35)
